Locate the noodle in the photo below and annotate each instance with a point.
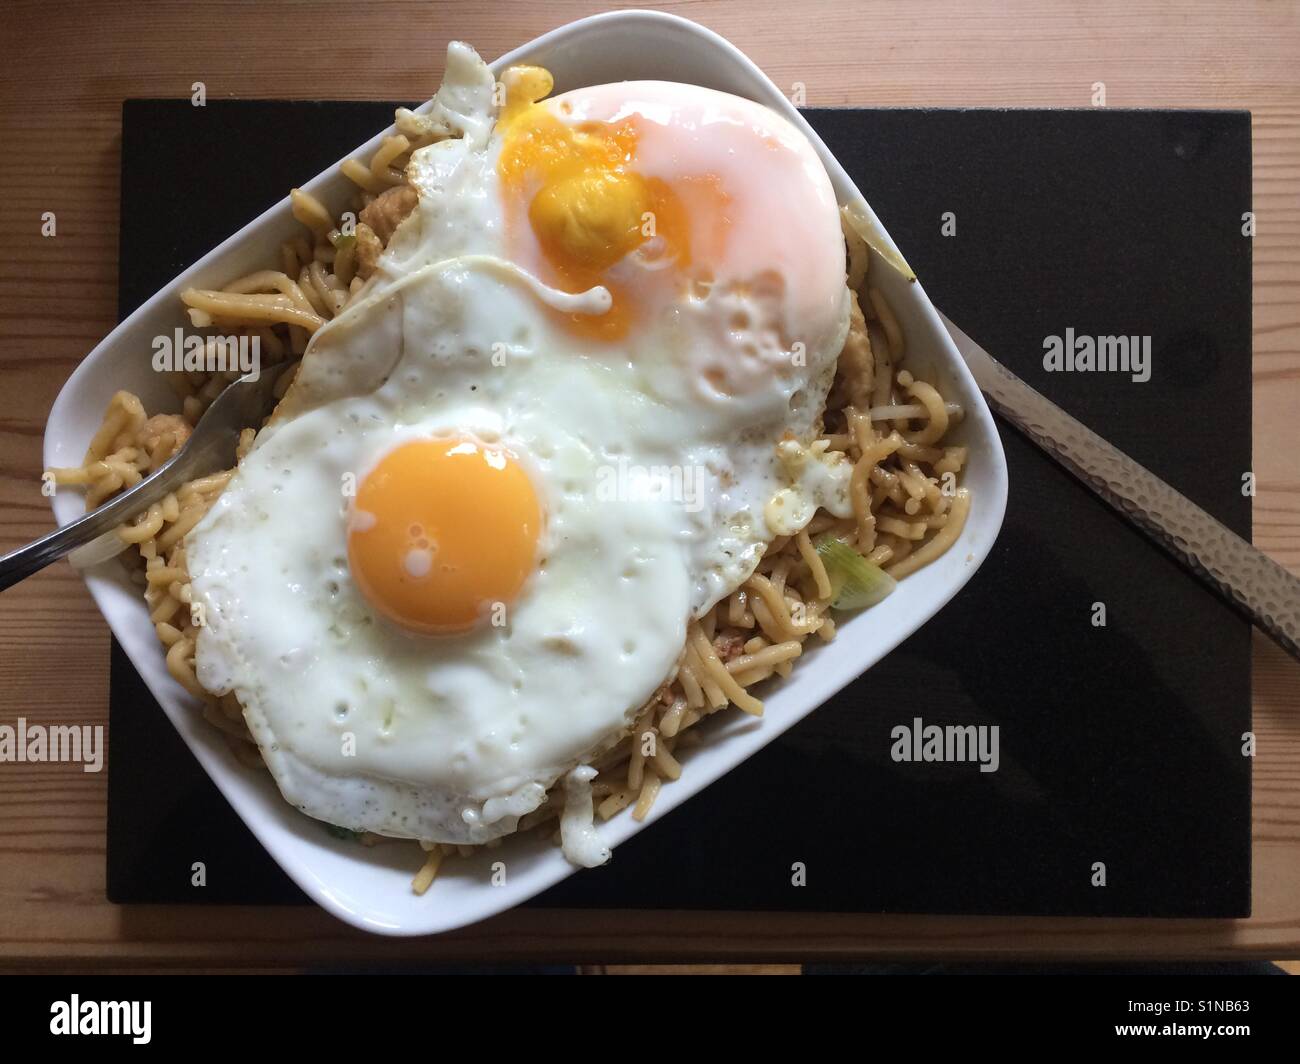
(231, 307)
(888, 423)
(815, 564)
(646, 798)
(428, 872)
(942, 540)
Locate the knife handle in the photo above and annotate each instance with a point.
(1244, 575)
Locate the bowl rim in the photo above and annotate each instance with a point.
(108, 587)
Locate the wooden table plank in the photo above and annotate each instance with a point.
(67, 70)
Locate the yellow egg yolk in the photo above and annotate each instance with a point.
(590, 219)
(442, 531)
(583, 198)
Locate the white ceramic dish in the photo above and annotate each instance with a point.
(370, 888)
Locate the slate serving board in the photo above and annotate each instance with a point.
(1119, 745)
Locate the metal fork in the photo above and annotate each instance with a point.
(210, 448)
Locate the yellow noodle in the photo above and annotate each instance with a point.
(691, 686)
(179, 666)
(310, 211)
(381, 164)
(267, 281)
(885, 314)
(815, 564)
(640, 732)
(667, 766)
(938, 413)
(646, 798)
(941, 541)
(310, 292)
(616, 802)
(902, 529)
(428, 871)
(167, 633)
(738, 615)
(205, 485)
(144, 528)
(672, 718)
(718, 672)
(189, 517)
(768, 624)
(952, 461)
(713, 694)
(771, 597)
(360, 174)
(767, 657)
(251, 308)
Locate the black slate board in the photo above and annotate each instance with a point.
(1119, 744)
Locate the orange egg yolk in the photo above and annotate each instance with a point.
(442, 531)
(582, 197)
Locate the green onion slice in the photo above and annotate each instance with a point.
(855, 582)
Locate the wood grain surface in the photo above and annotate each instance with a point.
(67, 69)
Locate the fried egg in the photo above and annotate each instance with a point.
(573, 404)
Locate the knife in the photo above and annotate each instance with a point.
(1246, 577)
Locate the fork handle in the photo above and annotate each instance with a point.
(23, 562)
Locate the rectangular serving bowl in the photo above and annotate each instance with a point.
(371, 888)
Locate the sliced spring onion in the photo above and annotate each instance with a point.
(874, 237)
(342, 833)
(342, 240)
(855, 582)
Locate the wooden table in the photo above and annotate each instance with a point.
(67, 69)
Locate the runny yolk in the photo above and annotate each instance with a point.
(441, 531)
(588, 207)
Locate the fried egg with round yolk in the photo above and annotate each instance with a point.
(576, 399)
(416, 547)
